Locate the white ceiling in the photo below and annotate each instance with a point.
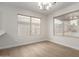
(33, 6)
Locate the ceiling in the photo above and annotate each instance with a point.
(33, 6)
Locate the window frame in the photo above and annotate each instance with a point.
(40, 25)
(30, 33)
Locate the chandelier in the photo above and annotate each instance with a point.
(46, 5)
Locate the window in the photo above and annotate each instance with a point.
(28, 26)
(23, 25)
(74, 22)
(35, 23)
(58, 27)
(67, 24)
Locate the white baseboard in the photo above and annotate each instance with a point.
(64, 44)
(34, 41)
(20, 44)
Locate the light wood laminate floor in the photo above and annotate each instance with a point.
(40, 49)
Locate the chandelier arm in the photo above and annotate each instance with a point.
(46, 5)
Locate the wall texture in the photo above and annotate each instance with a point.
(66, 41)
(8, 23)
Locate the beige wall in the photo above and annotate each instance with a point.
(8, 16)
(67, 41)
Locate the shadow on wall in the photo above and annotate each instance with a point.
(6, 41)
